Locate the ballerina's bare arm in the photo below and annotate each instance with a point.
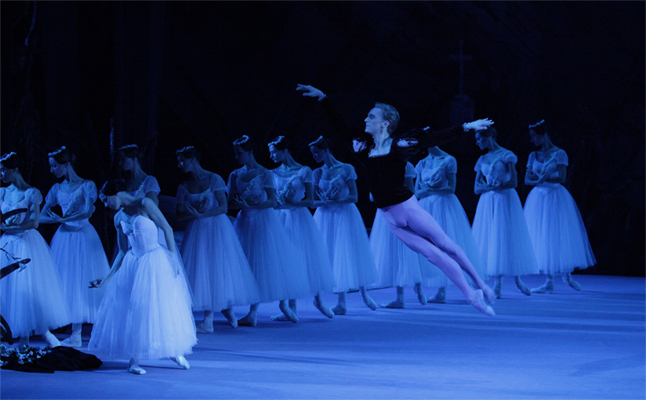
(480, 186)
(512, 182)
(122, 243)
(158, 218)
(31, 222)
(88, 207)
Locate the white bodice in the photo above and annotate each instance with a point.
(338, 177)
(291, 182)
(494, 169)
(204, 201)
(142, 234)
(13, 199)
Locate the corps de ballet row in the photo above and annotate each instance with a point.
(142, 305)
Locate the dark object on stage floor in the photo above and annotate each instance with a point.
(58, 359)
(6, 331)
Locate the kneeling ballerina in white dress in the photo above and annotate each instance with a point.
(146, 311)
(76, 246)
(555, 225)
(216, 266)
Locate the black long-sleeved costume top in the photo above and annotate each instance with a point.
(386, 172)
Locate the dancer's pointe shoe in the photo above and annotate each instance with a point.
(479, 303)
(339, 309)
(522, 287)
(181, 361)
(547, 287)
(72, 341)
(440, 296)
(250, 320)
(136, 369)
(325, 310)
(288, 312)
(489, 294)
(573, 284)
(279, 317)
(369, 302)
(397, 303)
(205, 328)
(52, 341)
(421, 297)
(231, 317)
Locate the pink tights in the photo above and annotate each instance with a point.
(418, 230)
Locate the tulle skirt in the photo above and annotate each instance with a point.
(306, 236)
(216, 266)
(80, 258)
(346, 239)
(449, 214)
(146, 311)
(31, 300)
(556, 230)
(501, 234)
(279, 274)
(397, 264)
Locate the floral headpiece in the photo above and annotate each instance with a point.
(129, 146)
(536, 125)
(242, 140)
(278, 140)
(8, 156)
(55, 152)
(183, 149)
(314, 143)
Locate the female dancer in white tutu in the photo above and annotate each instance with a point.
(264, 239)
(385, 163)
(344, 233)
(76, 247)
(31, 300)
(499, 225)
(216, 266)
(397, 264)
(555, 225)
(146, 311)
(435, 189)
(294, 194)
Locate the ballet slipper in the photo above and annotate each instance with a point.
(522, 287)
(204, 328)
(181, 361)
(325, 310)
(72, 341)
(573, 284)
(421, 297)
(368, 301)
(339, 309)
(250, 320)
(279, 317)
(52, 341)
(440, 296)
(134, 368)
(547, 287)
(289, 314)
(397, 303)
(478, 302)
(489, 294)
(231, 317)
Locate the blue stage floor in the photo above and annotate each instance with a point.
(567, 345)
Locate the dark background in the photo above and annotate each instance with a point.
(205, 73)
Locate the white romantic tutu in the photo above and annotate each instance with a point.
(270, 252)
(216, 266)
(449, 214)
(556, 230)
(500, 231)
(306, 236)
(397, 264)
(346, 239)
(146, 311)
(31, 300)
(80, 258)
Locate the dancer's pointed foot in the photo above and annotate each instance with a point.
(72, 341)
(369, 302)
(181, 361)
(547, 287)
(339, 309)
(289, 314)
(134, 368)
(440, 296)
(231, 317)
(325, 310)
(205, 327)
(397, 303)
(522, 287)
(489, 294)
(421, 297)
(573, 284)
(250, 319)
(279, 317)
(52, 341)
(479, 303)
